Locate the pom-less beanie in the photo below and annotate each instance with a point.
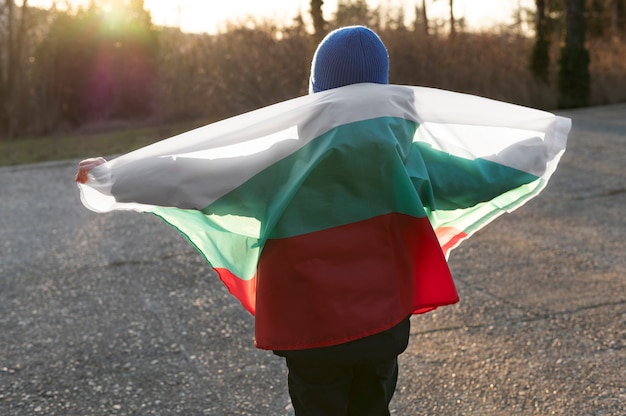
(349, 55)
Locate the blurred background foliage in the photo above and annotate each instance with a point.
(93, 69)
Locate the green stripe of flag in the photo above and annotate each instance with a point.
(221, 248)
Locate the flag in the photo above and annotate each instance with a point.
(302, 206)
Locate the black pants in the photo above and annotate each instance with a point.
(323, 389)
(356, 378)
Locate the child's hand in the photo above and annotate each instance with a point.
(85, 166)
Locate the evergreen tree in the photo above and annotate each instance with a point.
(574, 78)
(540, 54)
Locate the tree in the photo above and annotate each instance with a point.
(452, 19)
(352, 13)
(421, 14)
(12, 65)
(103, 63)
(574, 78)
(319, 24)
(618, 17)
(540, 55)
(604, 18)
(595, 19)
(425, 17)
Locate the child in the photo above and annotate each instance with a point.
(337, 241)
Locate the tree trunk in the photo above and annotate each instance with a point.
(452, 20)
(319, 24)
(617, 18)
(11, 90)
(425, 17)
(574, 78)
(540, 55)
(540, 17)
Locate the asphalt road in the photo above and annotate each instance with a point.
(117, 314)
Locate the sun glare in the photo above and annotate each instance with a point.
(211, 16)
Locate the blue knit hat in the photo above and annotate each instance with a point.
(349, 55)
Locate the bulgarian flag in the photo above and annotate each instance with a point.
(330, 216)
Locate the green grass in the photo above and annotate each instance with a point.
(75, 146)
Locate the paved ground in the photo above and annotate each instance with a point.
(117, 315)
